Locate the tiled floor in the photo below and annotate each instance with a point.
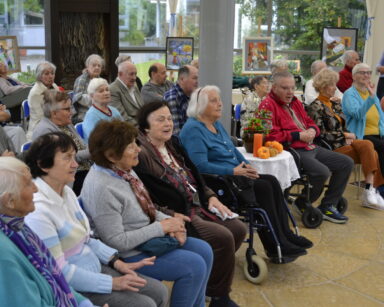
(344, 268)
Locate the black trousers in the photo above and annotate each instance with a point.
(270, 197)
(380, 88)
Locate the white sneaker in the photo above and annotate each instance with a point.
(372, 200)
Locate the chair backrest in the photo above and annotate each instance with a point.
(25, 146)
(25, 106)
(79, 129)
(237, 111)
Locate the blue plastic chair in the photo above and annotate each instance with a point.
(79, 129)
(238, 111)
(25, 146)
(25, 106)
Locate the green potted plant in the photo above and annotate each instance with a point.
(261, 123)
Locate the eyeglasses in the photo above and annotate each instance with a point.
(368, 73)
(68, 109)
(198, 94)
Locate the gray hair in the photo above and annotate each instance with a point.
(281, 75)
(123, 58)
(315, 66)
(278, 64)
(43, 66)
(94, 57)
(11, 174)
(52, 98)
(348, 55)
(358, 67)
(95, 84)
(199, 100)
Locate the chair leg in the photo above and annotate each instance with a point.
(357, 175)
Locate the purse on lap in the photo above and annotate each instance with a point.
(159, 246)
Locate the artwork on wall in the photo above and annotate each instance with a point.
(257, 55)
(179, 52)
(334, 42)
(9, 53)
(294, 66)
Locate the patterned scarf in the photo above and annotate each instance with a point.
(39, 256)
(140, 191)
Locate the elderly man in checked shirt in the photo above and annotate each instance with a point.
(178, 96)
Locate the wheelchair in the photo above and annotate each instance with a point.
(311, 217)
(255, 269)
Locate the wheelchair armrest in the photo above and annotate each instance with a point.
(322, 143)
(296, 156)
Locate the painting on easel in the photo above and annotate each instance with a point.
(257, 55)
(9, 53)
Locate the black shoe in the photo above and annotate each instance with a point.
(222, 301)
(299, 240)
(288, 252)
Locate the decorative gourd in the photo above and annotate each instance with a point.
(268, 144)
(263, 152)
(278, 146)
(273, 151)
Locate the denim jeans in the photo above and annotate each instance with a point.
(188, 267)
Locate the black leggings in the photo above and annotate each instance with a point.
(378, 143)
(270, 197)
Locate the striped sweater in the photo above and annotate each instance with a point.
(63, 226)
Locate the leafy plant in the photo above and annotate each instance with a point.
(261, 123)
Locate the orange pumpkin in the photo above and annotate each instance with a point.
(268, 144)
(263, 152)
(273, 151)
(277, 145)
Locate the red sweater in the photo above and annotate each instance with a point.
(345, 80)
(284, 129)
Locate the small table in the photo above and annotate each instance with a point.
(282, 166)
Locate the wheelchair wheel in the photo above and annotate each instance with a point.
(256, 271)
(342, 205)
(312, 217)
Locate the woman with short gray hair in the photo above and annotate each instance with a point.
(98, 91)
(94, 65)
(364, 115)
(45, 79)
(57, 118)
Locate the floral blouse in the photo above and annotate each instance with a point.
(328, 116)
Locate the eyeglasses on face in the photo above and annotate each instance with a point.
(368, 73)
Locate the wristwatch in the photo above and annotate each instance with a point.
(111, 262)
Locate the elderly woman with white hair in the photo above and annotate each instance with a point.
(210, 148)
(363, 112)
(98, 91)
(29, 273)
(94, 65)
(45, 79)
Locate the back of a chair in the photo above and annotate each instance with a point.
(238, 111)
(25, 146)
(79, 129)
(25, 106)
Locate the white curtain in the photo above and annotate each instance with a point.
(374, 45)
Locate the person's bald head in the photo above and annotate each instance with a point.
(157, 73)
(127, 73)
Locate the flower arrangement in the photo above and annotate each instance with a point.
(261, 123)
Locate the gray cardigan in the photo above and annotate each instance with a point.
(46, 126)
(115, 214)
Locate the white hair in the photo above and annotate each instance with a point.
(315, 66)
(199, 100)
(278, 65)
(348, 55)
(11, 174)
(123, 58)
(94, 58)
(358, 67)
(43, 66)
(95, 84)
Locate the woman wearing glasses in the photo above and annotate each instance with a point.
(364, 116)
(57, 118)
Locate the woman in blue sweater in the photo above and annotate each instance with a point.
(211, 150)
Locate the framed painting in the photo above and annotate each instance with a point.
(9, 53)
(257, 55)
(179, 52)
(334, 42)
(294, 66)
